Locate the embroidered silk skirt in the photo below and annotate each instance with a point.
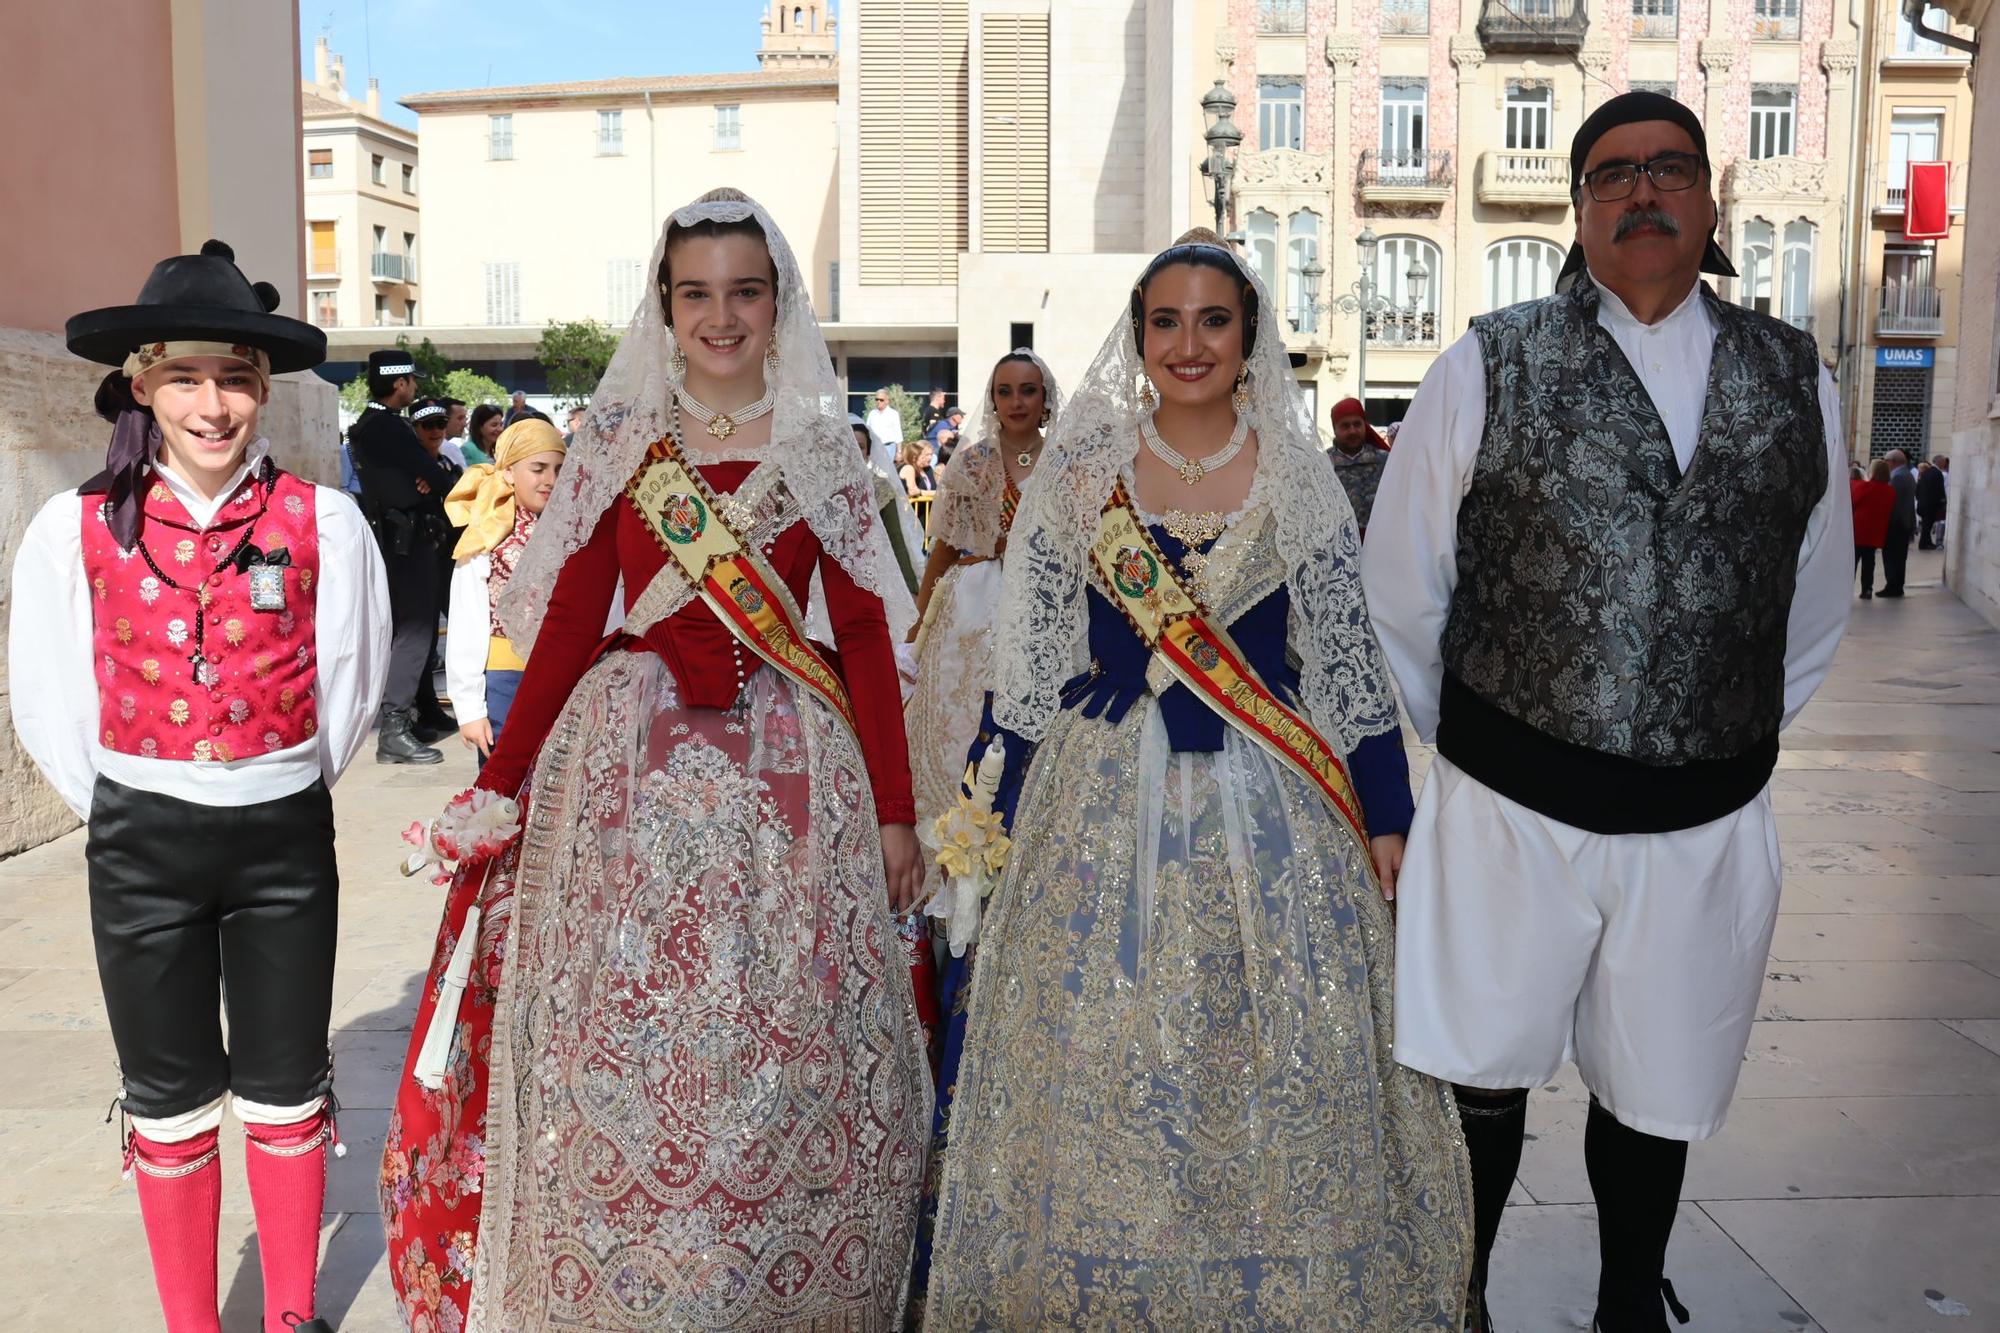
(1177, 1106)
(709, 1098)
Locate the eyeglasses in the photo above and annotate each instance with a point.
(1669, 172)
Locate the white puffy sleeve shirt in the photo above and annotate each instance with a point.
(470, 617)
(1409, 562)
(53, 686)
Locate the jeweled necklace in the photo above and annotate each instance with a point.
(722, 425)
(1192, 470)
(1026, 458)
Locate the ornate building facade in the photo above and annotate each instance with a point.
(1441, 128)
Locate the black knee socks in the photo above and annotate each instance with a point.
(1495, 1124)
(1636, 1180)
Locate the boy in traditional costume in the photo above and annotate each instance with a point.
(198, 640)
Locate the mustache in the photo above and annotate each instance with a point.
(1644, 217)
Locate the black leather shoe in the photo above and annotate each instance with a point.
(395, 743)
(434, 726)
(1640, 1313)
(1478, 1319)
(298, 1325)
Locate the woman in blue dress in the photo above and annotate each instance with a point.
(1177, 1106)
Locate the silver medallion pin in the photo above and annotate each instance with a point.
(267, 588)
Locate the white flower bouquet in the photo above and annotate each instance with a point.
(972, 848)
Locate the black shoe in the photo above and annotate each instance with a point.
(432, 726)
(395, 743)
(1478, 1319)
(298, 1325)
(1866, 593)
(1639, 1313)
(1890, 592)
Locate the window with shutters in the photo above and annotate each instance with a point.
(1530, 108)
(500, 138)
(325, 307)
(728, 127)
(1263, 230)
(319, 164)
(321, 256)
(409, 178)
(1754, 264)
(375, 169)
(1913, 137)
(915, 139)
(1014, 133)
(1301, 249)
(503, 293)
(610, 133)
(381, 309)
(1772, 107)
(624, 280)
(1795, 274)
(1522, 269)
(1281, 113)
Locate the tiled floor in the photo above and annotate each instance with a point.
(1856, 1188)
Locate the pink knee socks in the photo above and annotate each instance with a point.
(180, 1197)
(287, 1170)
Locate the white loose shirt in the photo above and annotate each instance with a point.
(466, 646)
(51, 659)
(1409, 560)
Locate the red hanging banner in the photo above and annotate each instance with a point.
(1926, 204)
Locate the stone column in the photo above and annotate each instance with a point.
(1848, 202)
(1718, 56)
(1343, 52)
(1469, 56)
(1596, 58)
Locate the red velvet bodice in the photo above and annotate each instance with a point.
(697, 646)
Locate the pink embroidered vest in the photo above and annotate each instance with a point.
(256, 695)
(500, 564)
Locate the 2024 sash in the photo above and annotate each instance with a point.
(1141, 582)
(687, 520)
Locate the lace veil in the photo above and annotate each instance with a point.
(1043, 616)
(968, 501)
(811, 444)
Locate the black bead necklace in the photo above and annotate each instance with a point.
(204, 671)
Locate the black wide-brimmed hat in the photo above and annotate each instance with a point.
(199, 298)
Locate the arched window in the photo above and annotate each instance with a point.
(1263, 232)
(1301, 248)
(1413, 323)
(1521, 269)
(1755, 266)
(1796, 274)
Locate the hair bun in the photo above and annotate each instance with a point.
(267, 295)
(218, 250)
(1201, 236)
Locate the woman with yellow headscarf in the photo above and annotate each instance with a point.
(496, 504)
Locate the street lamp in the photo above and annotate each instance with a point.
(1222, 137)
(1362, 297)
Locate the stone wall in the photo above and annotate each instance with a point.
(1972, 541)
(51, 439)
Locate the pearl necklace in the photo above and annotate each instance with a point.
(1192, 470)
(722, 425)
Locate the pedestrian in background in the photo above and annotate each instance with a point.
(1359, 454)
(1902, 523)
(483, 434)
(1930, 505)
(1873, 497)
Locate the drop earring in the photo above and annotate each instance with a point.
(771, 353)
(1148, 400)
(1240, 395)
(1046, 414)
(677, 359)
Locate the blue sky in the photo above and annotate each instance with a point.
(416, 46)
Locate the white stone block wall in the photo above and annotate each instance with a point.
(1972, 541)
(51, 438)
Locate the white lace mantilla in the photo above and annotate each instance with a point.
(1043, 619)
(811, 445)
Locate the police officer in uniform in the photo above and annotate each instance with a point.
(402, 492)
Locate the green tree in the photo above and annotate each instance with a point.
(473, 388)
(906, 407)
(575, 354)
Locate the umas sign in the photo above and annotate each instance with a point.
(1914, 358)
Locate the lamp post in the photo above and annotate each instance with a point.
(1218, 104)
(1362, 298)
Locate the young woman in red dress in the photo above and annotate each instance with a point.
(684, 1085)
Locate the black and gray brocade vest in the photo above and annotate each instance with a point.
(1604, 598)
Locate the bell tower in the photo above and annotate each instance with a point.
(798, 34)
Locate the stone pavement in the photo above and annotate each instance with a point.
(1856, 1188)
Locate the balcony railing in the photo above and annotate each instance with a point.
(1401, 18)
(1281, 15)
(1657, 27)
(1909, 312)
(1415, 330)
(1523, 179)
(1395, 172)
(1533, 25)
(387, 267)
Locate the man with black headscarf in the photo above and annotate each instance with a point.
(1608, 565)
